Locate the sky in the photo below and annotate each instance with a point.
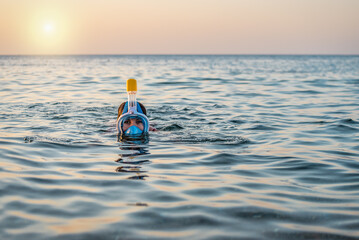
(179, 27)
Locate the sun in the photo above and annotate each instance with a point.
(48, 28)
(48, 32)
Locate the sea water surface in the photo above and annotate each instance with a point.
(248, 147)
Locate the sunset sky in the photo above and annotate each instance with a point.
(179, 27)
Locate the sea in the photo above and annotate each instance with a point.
(247, 147)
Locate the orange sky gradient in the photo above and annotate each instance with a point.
(179, 27)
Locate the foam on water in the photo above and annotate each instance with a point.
(253, 147)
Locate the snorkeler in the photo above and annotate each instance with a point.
(132, 121)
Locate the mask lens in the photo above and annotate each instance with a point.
(132, 121)
(132, 124)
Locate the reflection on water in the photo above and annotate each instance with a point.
(243, 142)
(128, 161)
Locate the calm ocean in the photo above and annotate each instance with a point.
(248, 147)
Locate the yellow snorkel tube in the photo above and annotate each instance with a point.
(131, 93)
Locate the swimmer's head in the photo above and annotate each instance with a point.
(132, 123)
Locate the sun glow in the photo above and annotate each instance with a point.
(49, 31)
(47, 36)
(48, 28)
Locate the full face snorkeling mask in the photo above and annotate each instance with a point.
(133, 123)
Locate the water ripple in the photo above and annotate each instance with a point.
(243, 141)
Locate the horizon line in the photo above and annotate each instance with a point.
(189, 54)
